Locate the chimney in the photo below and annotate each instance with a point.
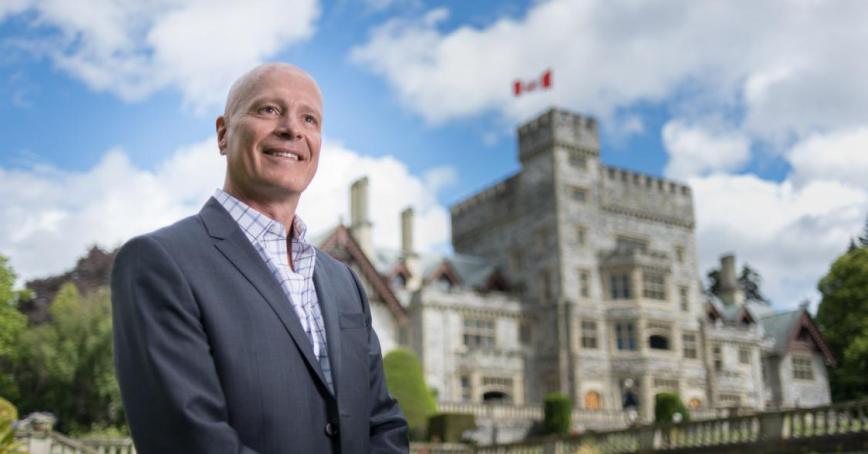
(407, 231)
(360, 225)
(730, 292)
(411, 260)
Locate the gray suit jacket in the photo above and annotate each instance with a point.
(211, 357)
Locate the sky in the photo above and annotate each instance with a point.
(107, 110)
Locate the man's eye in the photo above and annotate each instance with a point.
(269, 110)
(310, 119)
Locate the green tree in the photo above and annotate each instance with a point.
(843, 319)
(407, 385)
(12, 325)
(749, 280)
(8, 415)
(557, 414)
(666, 405)
(66, 365)
(863, 238)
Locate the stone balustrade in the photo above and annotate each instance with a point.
(840, 427)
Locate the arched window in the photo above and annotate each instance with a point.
(592, 401)
(658, 342)
(694, 403)
(496, 397)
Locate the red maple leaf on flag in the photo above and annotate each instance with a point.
(544, 82)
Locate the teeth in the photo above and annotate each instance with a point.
(281, 154)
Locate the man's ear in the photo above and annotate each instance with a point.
(221, 134)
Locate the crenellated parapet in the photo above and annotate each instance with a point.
(558, 128)
(491, 205)
(645, 196)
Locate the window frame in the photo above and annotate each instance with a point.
(588, 335)
(479, 337)
(652, 288)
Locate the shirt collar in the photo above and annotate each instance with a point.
(256, 224)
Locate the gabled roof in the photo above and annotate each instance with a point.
(465, 271)
(341, 244)
(444, 270)
(729, 313)
(784, 329)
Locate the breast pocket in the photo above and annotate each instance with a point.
(351, 320)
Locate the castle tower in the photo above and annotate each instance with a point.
(606, 259)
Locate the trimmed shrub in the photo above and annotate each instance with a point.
(407, 385)
(666, 405)
(448, 427)
(8, 416)
(557, 410)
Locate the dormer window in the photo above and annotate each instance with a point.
(399, 281)
(443, 283)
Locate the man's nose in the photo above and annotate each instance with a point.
(288, 128)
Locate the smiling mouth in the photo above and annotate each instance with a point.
(283, 154)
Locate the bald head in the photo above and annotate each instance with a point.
(245, 84)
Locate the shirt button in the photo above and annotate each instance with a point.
(331, 429)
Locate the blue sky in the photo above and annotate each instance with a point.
(108, 111)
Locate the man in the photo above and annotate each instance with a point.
(234, 335)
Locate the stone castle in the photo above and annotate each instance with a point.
(572, 276)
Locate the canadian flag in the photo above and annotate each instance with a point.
(544, 82)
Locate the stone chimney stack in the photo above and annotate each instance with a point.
(407, 231)
(730, 292)
(408, 255)
(360, 225)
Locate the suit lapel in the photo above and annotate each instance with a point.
(234, 245)
(329, 308)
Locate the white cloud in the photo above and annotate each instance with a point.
(696, 150)
(791, 66)
(51, 216)
(789, 231)
(198, 47)
(392, 187)
(838, 156)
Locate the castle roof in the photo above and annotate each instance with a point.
(785, 328)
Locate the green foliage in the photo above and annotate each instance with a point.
(863, 238)
(749, 280)
(714, 281)
(8, 415)
(12, 325)
(666, 405)
(557, 413)
(65, 366)
(407, 385)
(448, 427)
(843, 319)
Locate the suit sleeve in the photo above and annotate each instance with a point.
(388, 427)
(169, 384)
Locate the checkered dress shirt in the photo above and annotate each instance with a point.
(269, 238)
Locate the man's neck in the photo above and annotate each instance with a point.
(281, 210)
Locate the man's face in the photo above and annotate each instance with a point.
(272, 136)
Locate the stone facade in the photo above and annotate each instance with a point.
(576, 277)
(606, 261)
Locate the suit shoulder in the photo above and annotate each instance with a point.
(170, 238)
(331, 264)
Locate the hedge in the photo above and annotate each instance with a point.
(448, 427)
(666, 405)
(557, 412)
(407, 385)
